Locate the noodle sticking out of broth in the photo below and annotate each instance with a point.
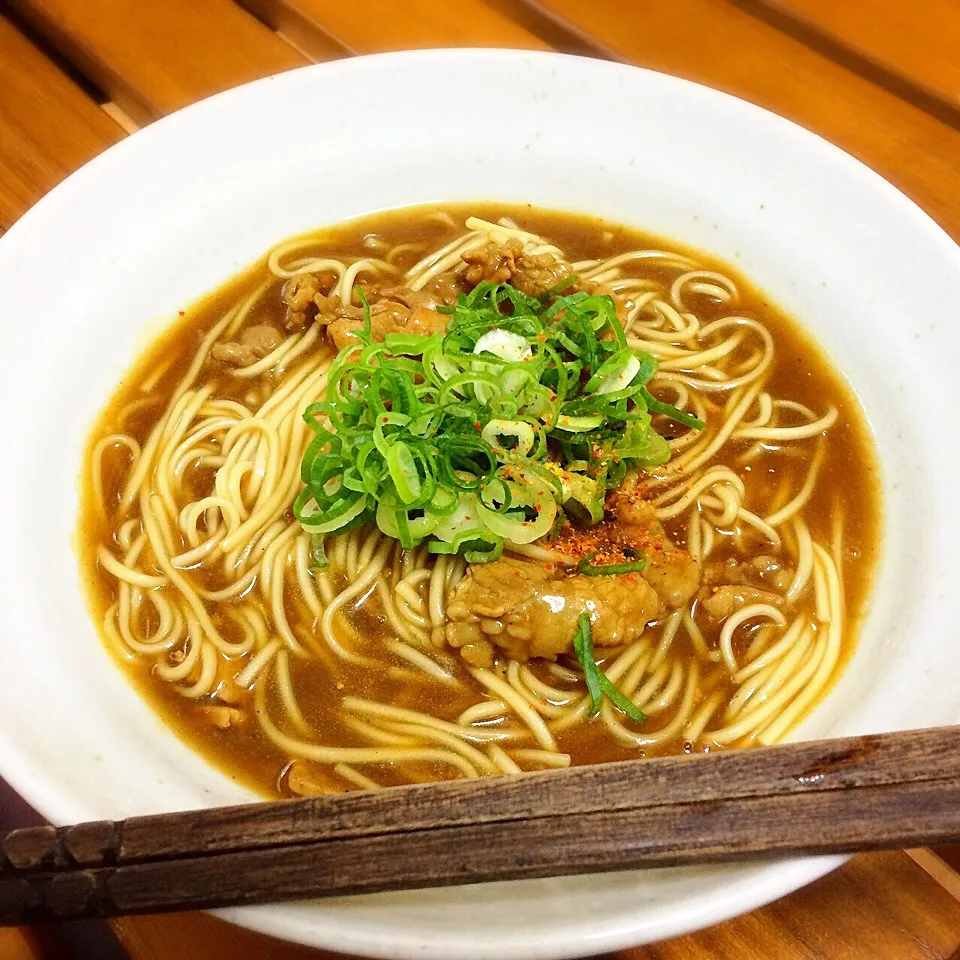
(456, 501)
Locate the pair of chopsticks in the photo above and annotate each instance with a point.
(833, 796)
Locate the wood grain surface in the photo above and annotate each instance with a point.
(719, 44)
(880, 906)
(155, 57)
(49, 126)
(374, 26)
(917, 43)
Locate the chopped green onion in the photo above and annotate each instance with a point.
(318, 552)
(367, 323)
(669, 410)
(619, 700)
(583, 647)
(610, 569)
(403, 472)
(598, 683)
(525, 410)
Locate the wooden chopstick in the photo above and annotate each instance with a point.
(834, 796)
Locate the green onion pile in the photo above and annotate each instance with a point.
(526, 411)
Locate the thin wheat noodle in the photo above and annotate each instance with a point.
(672, 729)
(828, 662)
(355, 777)
(208, 673)
(749, 612)
(698, 722)
(482, 712)
(500, 757)
(524, 711)
(541, 758)
(386, 711)
(454, 743)
(259, 661)
(353, 755)
(428, 665)
(805, 493)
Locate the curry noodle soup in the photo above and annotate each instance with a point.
(457, 491)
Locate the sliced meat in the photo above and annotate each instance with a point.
(493, 262)
(734, 584)
(443, 289)
(406, 296)
(672, 572)
(720, 602)
(253, 344)
(529, 609)
(304, 781)
(386, 316)
(224, 717)
(298, 293)
(631, 529)
(507, 262)
(764, 572)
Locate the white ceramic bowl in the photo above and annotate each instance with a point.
(97, 266)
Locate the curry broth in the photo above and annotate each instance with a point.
(849, 483)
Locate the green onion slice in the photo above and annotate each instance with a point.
(669, 410)
(598, 683)
(609, 569)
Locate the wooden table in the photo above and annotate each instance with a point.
(880, 78)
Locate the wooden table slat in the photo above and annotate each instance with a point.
(48, 125)
(155, 57)
(918, 44)
(719, 44)
(372, 26)
(879, 906)
(22, 944)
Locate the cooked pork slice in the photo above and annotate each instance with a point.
(386, 316)
(737, 583)
(720, 602)
(502, 263)
(298, 294)
(252, 345)
(530, 609)
(672, 572)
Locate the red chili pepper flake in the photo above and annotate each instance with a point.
(477, 426)
(182, 313)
